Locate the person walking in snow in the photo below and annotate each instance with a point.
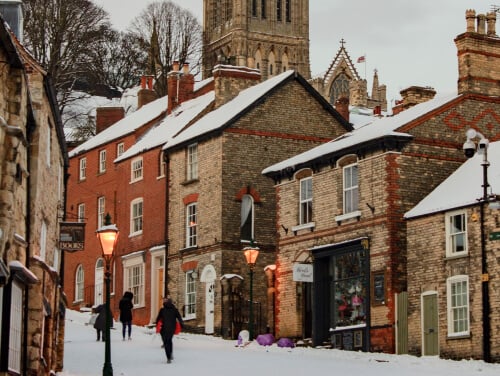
(126, 305)
(100, 321)
(168, 316)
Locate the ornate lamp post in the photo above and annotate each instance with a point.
(470, 149)
(251, 253)
(107, 235)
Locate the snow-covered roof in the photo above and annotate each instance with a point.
(222, 115)
(125, 126)
(169, 126)
(464, 186)
(379, 128)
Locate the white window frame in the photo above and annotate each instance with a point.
(15, 328)
(136, 216)
(162, 165)
(83, 168)
(136, 170)
(81, 212)
(458, 306)
(43, 240)
(120, 149)
(192, 162)
(454, 235)
(79, 283)
(102, 161)
(190, 296)
(305, 201)
(101, 208)
(350, 189)
(191, 225)
(247, 210)
(133, 277)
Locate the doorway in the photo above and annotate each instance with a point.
(430, 335)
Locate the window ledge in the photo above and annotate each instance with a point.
(457, 256)
(134, 234)
(136, 180)
(305, 226)
(187, 182)
(187, 249)
(458, 336)
(343, 217)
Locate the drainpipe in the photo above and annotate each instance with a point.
(167, 209)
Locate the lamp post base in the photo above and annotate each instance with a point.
(107, 370)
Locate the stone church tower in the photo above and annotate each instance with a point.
(270, 35)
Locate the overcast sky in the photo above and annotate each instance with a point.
(409, 42)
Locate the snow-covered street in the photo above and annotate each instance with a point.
(206, 355)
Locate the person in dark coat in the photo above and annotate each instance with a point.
(168, 315)
(100, 321)
(126, 305)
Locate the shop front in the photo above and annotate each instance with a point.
(341, 295)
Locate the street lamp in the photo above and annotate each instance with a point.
(251, 253)
(107, 235)
(470, 149)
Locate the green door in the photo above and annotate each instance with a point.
(430, 325)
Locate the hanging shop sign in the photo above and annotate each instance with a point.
(303, 273)
(72, 236)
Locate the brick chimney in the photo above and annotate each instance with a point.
(412, 96)
(342, 107)
(478, 51)
(180, 86)
(146, 94)
(229, 80)
(107, 116)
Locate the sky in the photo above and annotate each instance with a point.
(409, 42)
(196, 354)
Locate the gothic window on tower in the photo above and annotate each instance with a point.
(288, 11)
(229, 10)
(254, 8)
(263, 9)
(278, 10)
(340, 87)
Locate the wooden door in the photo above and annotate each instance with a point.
(430, 340)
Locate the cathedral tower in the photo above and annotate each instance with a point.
(270, 35)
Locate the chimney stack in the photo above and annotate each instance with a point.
(342, 107)
(229, 80)
(146, 94)
(478, 52)
(107, 116)
(412, 96)
(180, 86)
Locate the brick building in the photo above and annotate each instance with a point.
(32, 190)
(453, 271)
(177, 190)
(341, 206)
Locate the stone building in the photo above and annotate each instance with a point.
(453, 271)
(342, 81)
(341, 211)
(32, 192)
(271, 36)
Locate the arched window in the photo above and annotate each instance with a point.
(247, 218)
(272, 63)
(258, 60)
(99, 278)
(340, 88)
(284, 62)
(79, 283)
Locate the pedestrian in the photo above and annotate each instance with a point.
(168, 315)
(125, 306)
(100, 321)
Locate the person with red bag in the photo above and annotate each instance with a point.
(170, 318)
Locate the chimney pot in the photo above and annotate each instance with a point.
(185, 68)
(175, 66)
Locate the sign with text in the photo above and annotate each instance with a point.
(303, 272)
(72, 236)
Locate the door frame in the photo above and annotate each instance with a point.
(208, 276)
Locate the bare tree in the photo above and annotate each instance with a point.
(169, 33)
(61, 35)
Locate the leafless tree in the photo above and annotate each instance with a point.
(169, 33)
(61, 35)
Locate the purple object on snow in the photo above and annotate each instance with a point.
(265, 339)
(285, 342)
